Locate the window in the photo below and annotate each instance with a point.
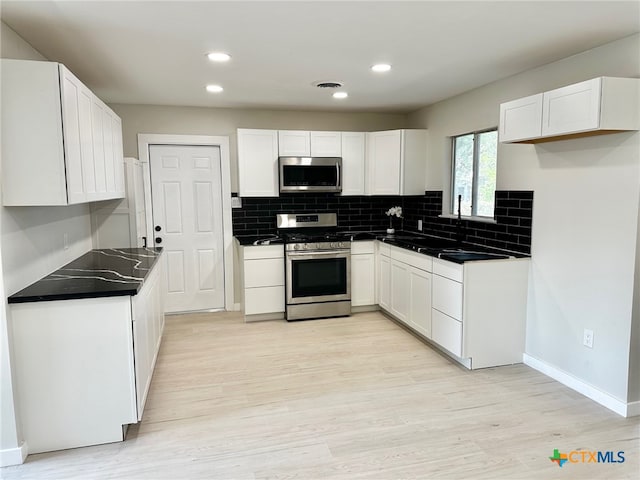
(474, 173)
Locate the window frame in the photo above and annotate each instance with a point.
(474, 180)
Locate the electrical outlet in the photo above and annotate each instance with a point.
(419, 225)
(65, 241)
(587, 340)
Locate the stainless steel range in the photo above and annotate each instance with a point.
(317, 266)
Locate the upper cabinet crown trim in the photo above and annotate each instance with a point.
(598, 106)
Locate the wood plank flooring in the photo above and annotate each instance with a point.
(347, 398)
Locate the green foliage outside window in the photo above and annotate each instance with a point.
(474, 173)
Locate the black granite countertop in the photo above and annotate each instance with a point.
(447, 249)
(248, 240)
(97, 273)
(443, 248)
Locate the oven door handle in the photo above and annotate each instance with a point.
(327, 254)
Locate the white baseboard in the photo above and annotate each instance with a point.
(589, 391)
(13, 456)
(633, 409)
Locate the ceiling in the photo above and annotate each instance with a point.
(153, 52)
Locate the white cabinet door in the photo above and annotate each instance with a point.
(148, 314)
(353, 163)
(70, 95)
(107, 139)
(258, 163)
(86, 144)
(521, 119)
(118, 154)
(97, 116)
(384, 282)
(383, 162)
(263, 272)
(294, 143)
(400, 291)
(570, 109)
(363, 280)
(420, 301)
(326, 144)
(447, 296)
(447, 332)
(264, 300)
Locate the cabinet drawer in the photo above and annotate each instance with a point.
(263, 251)
(358, 248)
(384, 249)
(447, 296)
(447, 332)
(423, 262)
(263, 272)
(263, 300)
(454, 271)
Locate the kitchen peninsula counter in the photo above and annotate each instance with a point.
(98, 273)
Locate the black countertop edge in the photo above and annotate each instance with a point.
(76, 296)
(110, 272)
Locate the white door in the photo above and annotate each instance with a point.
(186, 193)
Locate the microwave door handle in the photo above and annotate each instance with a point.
(339, 183)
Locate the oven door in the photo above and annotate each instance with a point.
(314, 277)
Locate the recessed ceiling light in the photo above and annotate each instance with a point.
(219, 57)
(381, 67)
(214, 88)
(340, 95)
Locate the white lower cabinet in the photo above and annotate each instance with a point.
(262, 281)
(148, 322)
(363, 268)
(475, 311)
(85, 365)
(405, 287)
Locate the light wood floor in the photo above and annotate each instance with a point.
(345, 398)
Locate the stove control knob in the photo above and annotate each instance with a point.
(296, 247)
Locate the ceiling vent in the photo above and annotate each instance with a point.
(328, 84)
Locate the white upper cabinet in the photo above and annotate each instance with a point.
(521, 119)
(302, 143)
(294, 143)
(594, 107)
(572, 109)
(326, 144)
(353, 160)
(49, 141)
(396, 162)
(257, 163)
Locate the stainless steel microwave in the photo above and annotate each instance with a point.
(310, 174)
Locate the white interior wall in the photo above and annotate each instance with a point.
(32, 246)
(585, 215)
(634, 360)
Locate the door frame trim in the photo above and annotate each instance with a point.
(222, 142)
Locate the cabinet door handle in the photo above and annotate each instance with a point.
(144, 242)
(158, 240)
(158, 228)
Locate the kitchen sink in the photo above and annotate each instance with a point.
(461, 256)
